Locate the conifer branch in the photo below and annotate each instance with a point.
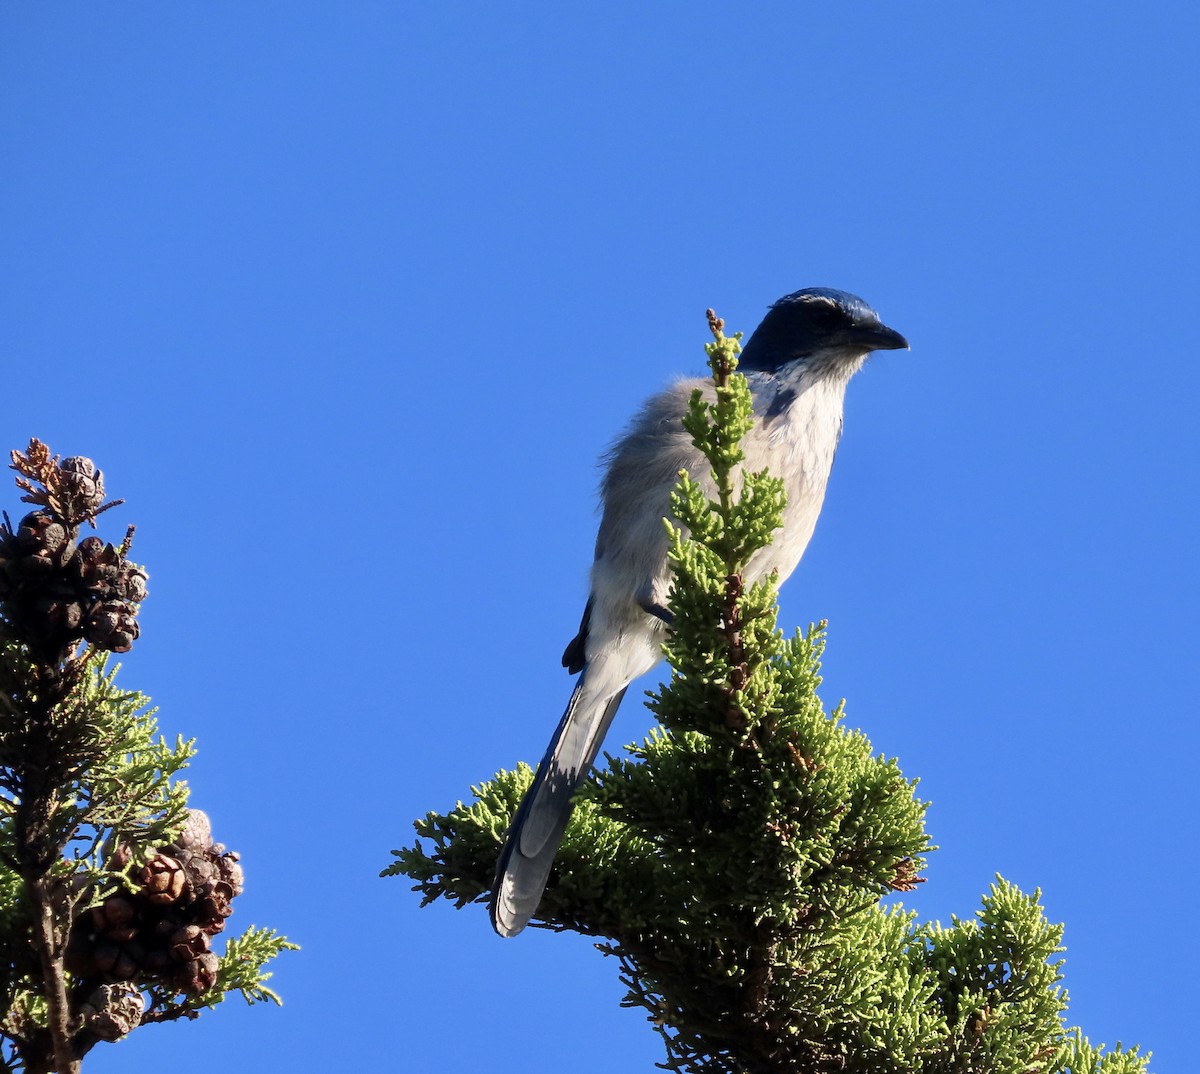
(111, 888)
(736, 859)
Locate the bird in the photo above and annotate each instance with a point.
(797, 363)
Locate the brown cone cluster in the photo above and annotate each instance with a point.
(162, 932)
(113, 1010)
(56, 590)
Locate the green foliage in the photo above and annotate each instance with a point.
(463, 839)
(242, 965)
(115, 787)
(121, 790)
(110, 887)
(241, 970)
(736, 860)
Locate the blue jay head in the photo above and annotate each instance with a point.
(817, 323)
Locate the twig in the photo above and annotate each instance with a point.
(50, 953)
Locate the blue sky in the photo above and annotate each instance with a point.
(348, 299)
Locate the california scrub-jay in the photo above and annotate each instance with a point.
(797, 363)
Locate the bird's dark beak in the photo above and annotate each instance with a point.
(878, 337)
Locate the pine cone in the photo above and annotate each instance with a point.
(231, 872)
(212, 910)
(90, 549)
(55, 591)
(197, 831)
(201, 868)
(163, 932)
(115, 962)
(188, 943)
(113, 1010)
(116, 918)
(112, 625)
(101, 566)
(163, 879)
(81, 487)
(131, 583)
(198, 975)
(45, 543)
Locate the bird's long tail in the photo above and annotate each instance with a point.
(539, 823)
